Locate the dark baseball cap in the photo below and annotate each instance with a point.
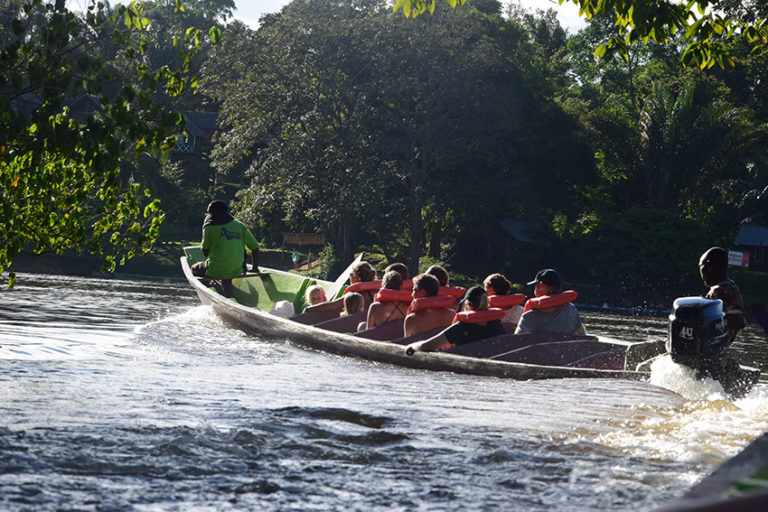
(548, 276)
(474, 295)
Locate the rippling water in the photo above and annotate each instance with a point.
(121, 395)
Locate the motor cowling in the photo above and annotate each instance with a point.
(698, 331)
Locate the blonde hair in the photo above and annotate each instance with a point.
(310, 291)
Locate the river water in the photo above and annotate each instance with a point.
(129, 395)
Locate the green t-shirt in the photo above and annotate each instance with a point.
(226, 246)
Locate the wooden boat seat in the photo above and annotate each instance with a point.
(387, 331)
(509, 342)
(316, 317)
(347, 323)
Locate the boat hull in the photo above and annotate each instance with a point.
(271, 327)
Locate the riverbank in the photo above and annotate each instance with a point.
(163, 263)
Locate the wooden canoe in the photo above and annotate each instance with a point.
(523, 357)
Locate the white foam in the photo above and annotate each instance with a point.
(706, 429)
(682, 380)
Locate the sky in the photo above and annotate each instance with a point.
(249, 11)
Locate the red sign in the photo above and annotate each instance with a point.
(738, 259)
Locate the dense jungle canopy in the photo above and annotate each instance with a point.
(413, 136)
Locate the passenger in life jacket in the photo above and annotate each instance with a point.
(401, 269)
(440, 273)
(475, 323)
(362, 273)
(713, 267)
(496, 285)
(427, 311)
(389, 306)
(554, 311)
(442, 277)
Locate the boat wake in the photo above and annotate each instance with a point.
(199, 331)
(681, 379)
(705, 430)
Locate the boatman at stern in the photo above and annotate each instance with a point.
(224, 242)
(713, 267)
(551, 310)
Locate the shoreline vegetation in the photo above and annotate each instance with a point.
(162, 263)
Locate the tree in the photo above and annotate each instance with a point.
(705, 23)
(334, 141)
(688, 152)
(59, 169)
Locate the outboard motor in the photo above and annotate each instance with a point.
(698, 331)
(698, 337)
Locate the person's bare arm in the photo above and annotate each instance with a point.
(409, 325)
(430, 345)
(372, 313)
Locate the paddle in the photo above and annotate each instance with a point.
(343, 278)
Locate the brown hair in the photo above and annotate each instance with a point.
(498, 282)
(428, 283)
(400, 268)
(364, 271)
(440, 273)
(353, 302)
(392, 280)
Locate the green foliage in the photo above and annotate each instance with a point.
(60, 178)
(328, 265)
(685, 152)
(640, 252)
(706, 24)
(416, 7)
(332, 141)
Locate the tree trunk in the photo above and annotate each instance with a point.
(347, 248)
(435, 240)
(417, 230)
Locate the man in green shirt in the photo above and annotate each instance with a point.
(224, 242)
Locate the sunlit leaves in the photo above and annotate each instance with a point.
(705, 29)
(654, 20)
(416, 7)
(61, 186)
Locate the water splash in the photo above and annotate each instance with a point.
(705, 430)
(683, 381)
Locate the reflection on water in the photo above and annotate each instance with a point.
(129, 395)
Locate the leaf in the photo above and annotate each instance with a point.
(215, 34)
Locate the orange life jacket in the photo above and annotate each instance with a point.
(479, 317)
(551, 301)
(435, 302)
(454, 291)
(505, 301)
(388, 295)
(363, 286)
